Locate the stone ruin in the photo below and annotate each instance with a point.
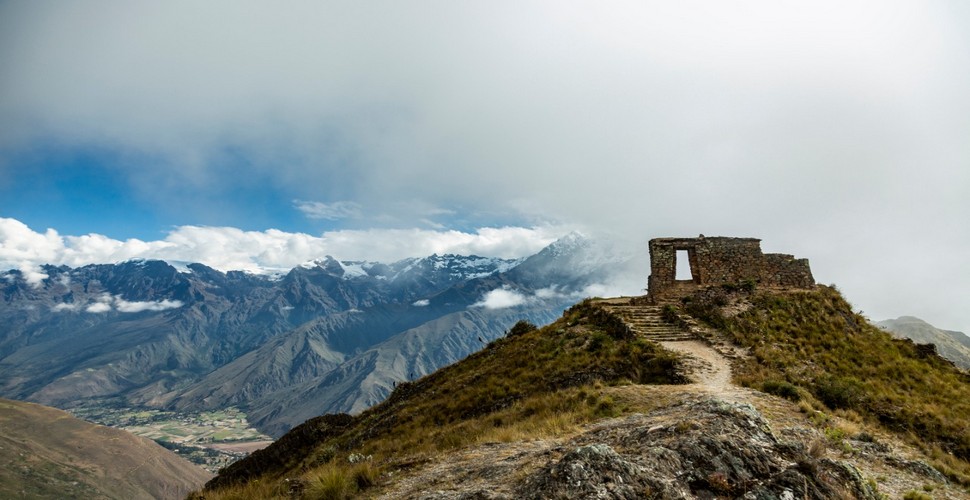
(720, 261)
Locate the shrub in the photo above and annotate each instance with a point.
(521, 328)
(669, 314)
(840, 392)
(782, 389)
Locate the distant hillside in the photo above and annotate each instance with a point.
(47, 453)
(590, 407)
(954, 346)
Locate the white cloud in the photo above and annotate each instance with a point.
(501, 298)
(505, 297)
(421, 303)
(98, 307)
(330, 211)
(227, 248)
(106, 302)
(133, 307)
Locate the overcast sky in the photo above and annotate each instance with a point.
(837, 131)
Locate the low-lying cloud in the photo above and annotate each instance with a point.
(506, 296)
(98, 307)
(133, 307)
(502, 298)
(107, 302)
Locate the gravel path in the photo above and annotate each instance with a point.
(707, 368)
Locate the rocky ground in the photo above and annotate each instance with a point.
(709, 439)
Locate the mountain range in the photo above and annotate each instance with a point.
(328, 336)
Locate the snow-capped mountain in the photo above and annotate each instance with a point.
(328, 335)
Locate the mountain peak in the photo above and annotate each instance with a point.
(570, 242)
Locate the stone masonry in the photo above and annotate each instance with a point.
(718, 261)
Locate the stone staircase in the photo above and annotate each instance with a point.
(647, 321)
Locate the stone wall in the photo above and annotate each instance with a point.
(720, 260)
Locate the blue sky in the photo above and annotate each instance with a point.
(832, 130)
(81, 190)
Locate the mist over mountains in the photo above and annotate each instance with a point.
(327, 336)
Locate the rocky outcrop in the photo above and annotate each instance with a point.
(706, 449)
(698, 447)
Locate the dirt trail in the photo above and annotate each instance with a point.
(707, 366)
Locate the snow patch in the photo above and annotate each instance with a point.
(353, 269)
(421, 303)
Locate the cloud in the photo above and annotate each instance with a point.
(227, 248)
(501, 298)
(330, 211)
(421, 303)
(505, 297)
(98, 307)
(107, 302)
(833, 130)
(133, 307)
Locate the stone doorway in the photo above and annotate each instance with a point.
(684, 271)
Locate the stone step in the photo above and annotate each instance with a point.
(647, 331)
(648, 322)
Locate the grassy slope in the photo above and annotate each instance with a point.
(47, 453)
(812, 345)
(805, 345)
(529, 383)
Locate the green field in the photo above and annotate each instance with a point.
(188, 434)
